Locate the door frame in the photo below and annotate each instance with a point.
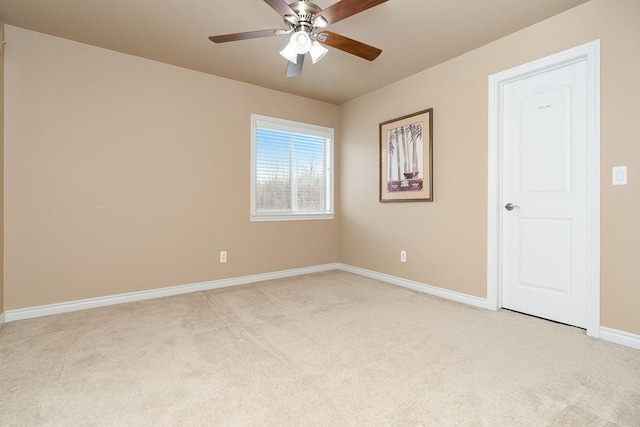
(591, 53)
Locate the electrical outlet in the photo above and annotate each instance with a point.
(223, 256)
(403, 256)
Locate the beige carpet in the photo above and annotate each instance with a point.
(325, 349)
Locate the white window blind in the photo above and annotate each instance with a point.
(292, 170)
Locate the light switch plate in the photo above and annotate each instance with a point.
(619, 175)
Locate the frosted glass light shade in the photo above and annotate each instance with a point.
(317, 52)
(289, 53)
(300, 42)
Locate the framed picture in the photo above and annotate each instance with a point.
(406, 158)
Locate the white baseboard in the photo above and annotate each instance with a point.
(620, 337)
(66, 307)
(417, 286)
(85, 304)
(607, 334)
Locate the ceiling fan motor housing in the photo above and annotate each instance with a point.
(305, 10)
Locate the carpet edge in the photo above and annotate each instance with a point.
(616, 336)
(89, 303)
(417, 286)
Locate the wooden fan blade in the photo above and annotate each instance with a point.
(351, 46)
(346, 8)
(243, 36)
(294, 70)
(281, 6)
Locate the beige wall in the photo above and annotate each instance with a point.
(446, 240)
(124, 174)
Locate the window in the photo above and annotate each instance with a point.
(291, 170)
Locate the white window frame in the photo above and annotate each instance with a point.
(259, 121)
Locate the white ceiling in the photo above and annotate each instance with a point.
(413, 35)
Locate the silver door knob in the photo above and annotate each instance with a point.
(510, 206)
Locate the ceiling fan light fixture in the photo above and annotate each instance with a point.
(289, 53)
(300, 42)
(317, 51)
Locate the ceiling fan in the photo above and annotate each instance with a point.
(306, 24)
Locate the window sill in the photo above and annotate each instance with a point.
(291, 217)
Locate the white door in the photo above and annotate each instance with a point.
(545, 174)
